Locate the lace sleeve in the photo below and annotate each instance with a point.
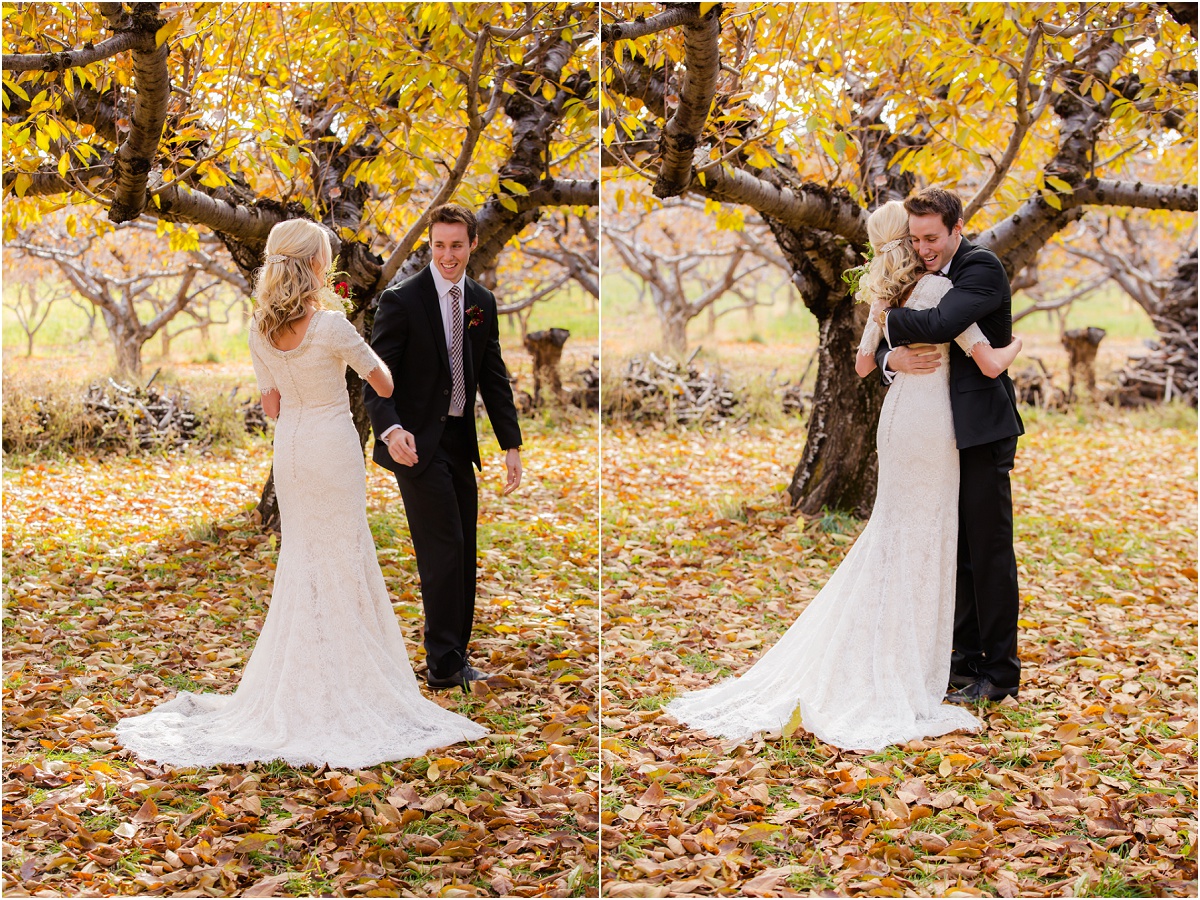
(971, 338)
(350, 347)
(266, 383)
(871, 337)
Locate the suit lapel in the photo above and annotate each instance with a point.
(964, 247)
(433, 308)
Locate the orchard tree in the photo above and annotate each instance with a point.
(229, 118)
(124, 276)
(814, 114)
(662, 247)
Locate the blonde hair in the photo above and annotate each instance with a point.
(895, 269)
(287, 284)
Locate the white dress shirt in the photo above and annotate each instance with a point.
(443, 290)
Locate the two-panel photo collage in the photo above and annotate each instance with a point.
(621, 449)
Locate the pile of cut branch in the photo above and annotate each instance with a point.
(142, 418)
(1166, 372)
(1036, 387)
(585, 393)
(653, 389)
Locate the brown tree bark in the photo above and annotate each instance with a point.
(546, 348)
(1082, 344)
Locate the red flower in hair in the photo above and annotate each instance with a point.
(342, 290)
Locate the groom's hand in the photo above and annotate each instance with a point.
(512, 462)
(915, 359)
(402, 447)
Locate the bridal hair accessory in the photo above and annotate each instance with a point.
(891, 245)
(275, 257)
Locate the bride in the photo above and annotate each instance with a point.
(867, 662)
(329, 680)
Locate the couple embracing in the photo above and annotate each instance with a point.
(926, 600)
(329, 681)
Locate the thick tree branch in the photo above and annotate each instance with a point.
(71, 59)
(676, 14)
(136, 155)
(807, 206)
(1037, 220)
(248, 224)
(634, 78)
(701, 42)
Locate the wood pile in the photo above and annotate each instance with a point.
(1166, 372)
(147, 417)
(656, 389)
(586, 392)
(794, 399)
(1035, 387)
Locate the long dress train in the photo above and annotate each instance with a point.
(329, 680)
(869, 659)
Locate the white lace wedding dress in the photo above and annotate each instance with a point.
(869, 659)
(329, 680)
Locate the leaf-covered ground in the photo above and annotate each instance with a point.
(1086, 786)
(128, 579)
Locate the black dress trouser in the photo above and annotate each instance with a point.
(986, 598)
(442, 505)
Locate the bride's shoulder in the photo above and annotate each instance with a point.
(931, 284)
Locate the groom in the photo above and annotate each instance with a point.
(439, 334)
(984, 664)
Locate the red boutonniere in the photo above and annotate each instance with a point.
(342, 290)
(474, 316)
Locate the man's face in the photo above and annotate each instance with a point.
(932, 241)
(451, 248)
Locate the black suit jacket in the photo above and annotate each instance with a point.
(984, 409)
(409, 336)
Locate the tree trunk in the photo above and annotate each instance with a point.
(546, 349)
(1082, 344)
(839, 467)
(674, 324)
(268, 504)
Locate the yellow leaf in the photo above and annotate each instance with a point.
(167, 31)
(1058, 183)
(759, 831)
(1052, 199)
(22, 184)
(508, 203)
(794, 723)
(705, 7)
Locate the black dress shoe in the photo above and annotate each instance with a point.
(962, 680)
(981, 691)
(462, 678)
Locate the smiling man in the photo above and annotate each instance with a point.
(439, 334)
(984, 665)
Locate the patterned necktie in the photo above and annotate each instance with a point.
(458, 387)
